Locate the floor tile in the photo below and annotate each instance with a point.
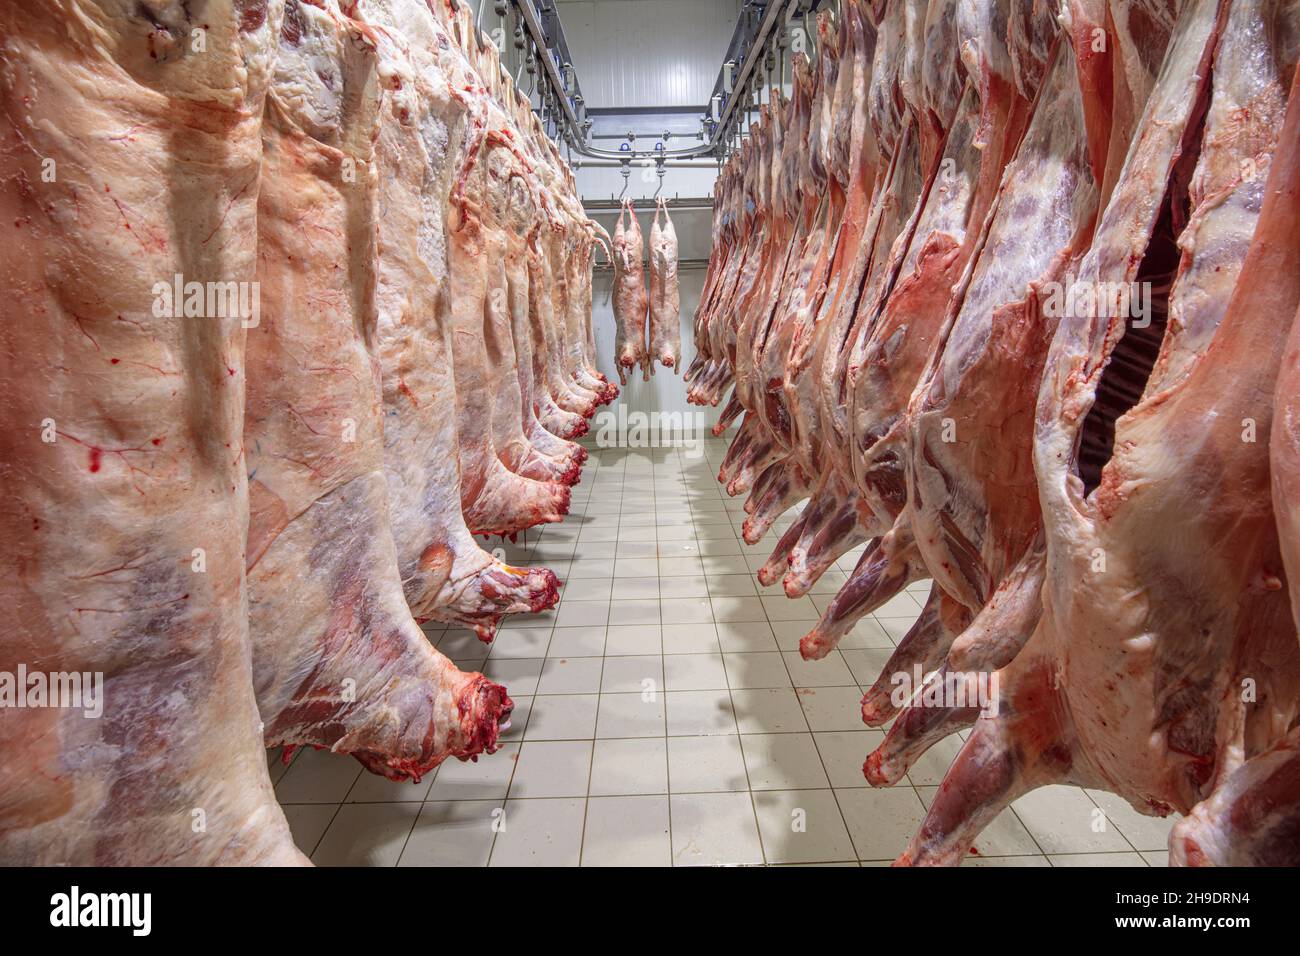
(802, 826)
(577, 642)
(452, 833)
(768, 711)
(526, 642)
(712, 829)
(699, 712)
(832, 708)
(881, 822)
(1097, 859)
(642, 673)
(570, 675)
(782, 762)
(746, 636)
(463, 645)
(629, 766)
(633, 612)
(684, 586)
(372, 788)
(738, 609)
(552, 768)
(541, 619)
(1143, 832)
(633, 639)
(844, 752)
(633, 589)
(685, 610)
(1063, 820)
(308, 823)
(366, 834)
(732, 585)
(482, 779)
(690, 638)
(563, 717)
(582, 614)
(694, 672)
(636, 567)
(723, 562)
(830, 671)
(756, 670)
(899, 606)
(700, 764)
(630, 715)
(782, 608)
(627, 831)
(895, 628)
(637, 549)
(586, 589)
(594, 568)
(829, 583)
(676, 567)
(517, 674)
(318, 776)
(545, 832)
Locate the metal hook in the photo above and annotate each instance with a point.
(627, 172)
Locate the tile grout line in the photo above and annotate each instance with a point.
(740, 738)
(668, 766)
(812, 736)
(524, 732)
(595, 728)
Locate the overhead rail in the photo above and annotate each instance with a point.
(753, 57)
(676, 204)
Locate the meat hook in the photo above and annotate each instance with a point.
(627, 172)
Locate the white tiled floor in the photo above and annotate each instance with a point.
(664, 717)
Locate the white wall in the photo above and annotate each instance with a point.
(695, 182)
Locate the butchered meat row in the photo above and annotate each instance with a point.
(299, 310)
(1002, 292)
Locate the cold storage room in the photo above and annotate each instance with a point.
(650, 433)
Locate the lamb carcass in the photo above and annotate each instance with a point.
(131, 164)
(631, 301)
(665, 345)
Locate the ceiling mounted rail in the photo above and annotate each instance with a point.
(757, 40)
